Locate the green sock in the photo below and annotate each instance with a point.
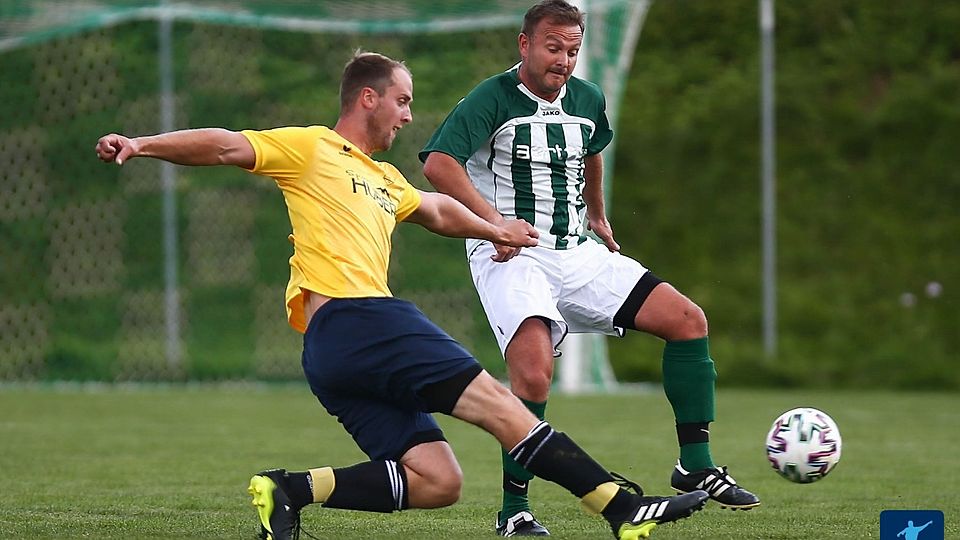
(696, 456)
(688, 381)
(516, 479)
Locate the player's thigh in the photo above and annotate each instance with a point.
(491, 406)
(514, 291)
(595, 291)
(379, 348)
(434, 461)
(670, 315)
(381, 430)
(380, 366)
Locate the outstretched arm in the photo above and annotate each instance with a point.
(207, 146)
(593, 196)
(444, 215)
(449, 177)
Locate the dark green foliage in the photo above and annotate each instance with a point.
(23, 260)
(220, 338)
(868, 115)
(144, 247)
(85, 344)
(867, 105)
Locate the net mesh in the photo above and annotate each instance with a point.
(83, 287)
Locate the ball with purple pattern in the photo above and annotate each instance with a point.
(804, 445)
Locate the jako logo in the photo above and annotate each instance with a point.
(550, 112)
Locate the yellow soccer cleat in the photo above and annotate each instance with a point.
(279, 518)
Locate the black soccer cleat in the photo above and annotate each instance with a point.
(521, 524)
(719, 485)
(279, 518)
(652, 511)
(648, 512)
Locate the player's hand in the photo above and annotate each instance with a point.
(116, 148)
(516, 234)
(601, 227)
(504, 253)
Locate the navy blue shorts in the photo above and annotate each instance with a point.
(374, 363)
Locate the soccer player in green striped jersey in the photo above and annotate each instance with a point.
(526, 144)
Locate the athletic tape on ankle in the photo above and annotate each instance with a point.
(595, 501)
(323, 482)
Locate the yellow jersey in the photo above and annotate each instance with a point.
(343, 207)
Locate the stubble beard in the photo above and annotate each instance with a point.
(381, 138)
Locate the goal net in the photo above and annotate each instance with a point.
(155, 272)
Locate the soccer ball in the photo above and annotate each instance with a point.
(803, 445)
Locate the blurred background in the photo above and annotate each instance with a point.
(160, 273)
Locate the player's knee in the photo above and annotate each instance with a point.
(445, 487)
(450, 488)
(692, 323)
(531, 384)
(531, 380)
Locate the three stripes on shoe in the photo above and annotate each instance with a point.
(650, 511)
(715, 484)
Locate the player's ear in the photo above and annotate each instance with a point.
(368, 97)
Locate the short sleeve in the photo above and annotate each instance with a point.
(282, 152)
(602, 134)
(408, 203)
(468, 125)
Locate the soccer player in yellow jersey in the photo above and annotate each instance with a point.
(375, 361)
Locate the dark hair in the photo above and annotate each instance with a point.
(556, 11)
(367, 69)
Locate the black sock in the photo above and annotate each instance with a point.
(299, 489)
(621, 503)
(553, 456)
(374, 486)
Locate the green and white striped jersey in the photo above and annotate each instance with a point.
(525, 154)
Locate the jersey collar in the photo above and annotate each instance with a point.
(526, 91)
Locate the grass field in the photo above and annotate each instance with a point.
(173, 462)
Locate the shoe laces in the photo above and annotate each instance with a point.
(726, 476)
(626, 484)
(721, 474)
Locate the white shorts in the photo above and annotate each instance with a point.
(578, 289)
